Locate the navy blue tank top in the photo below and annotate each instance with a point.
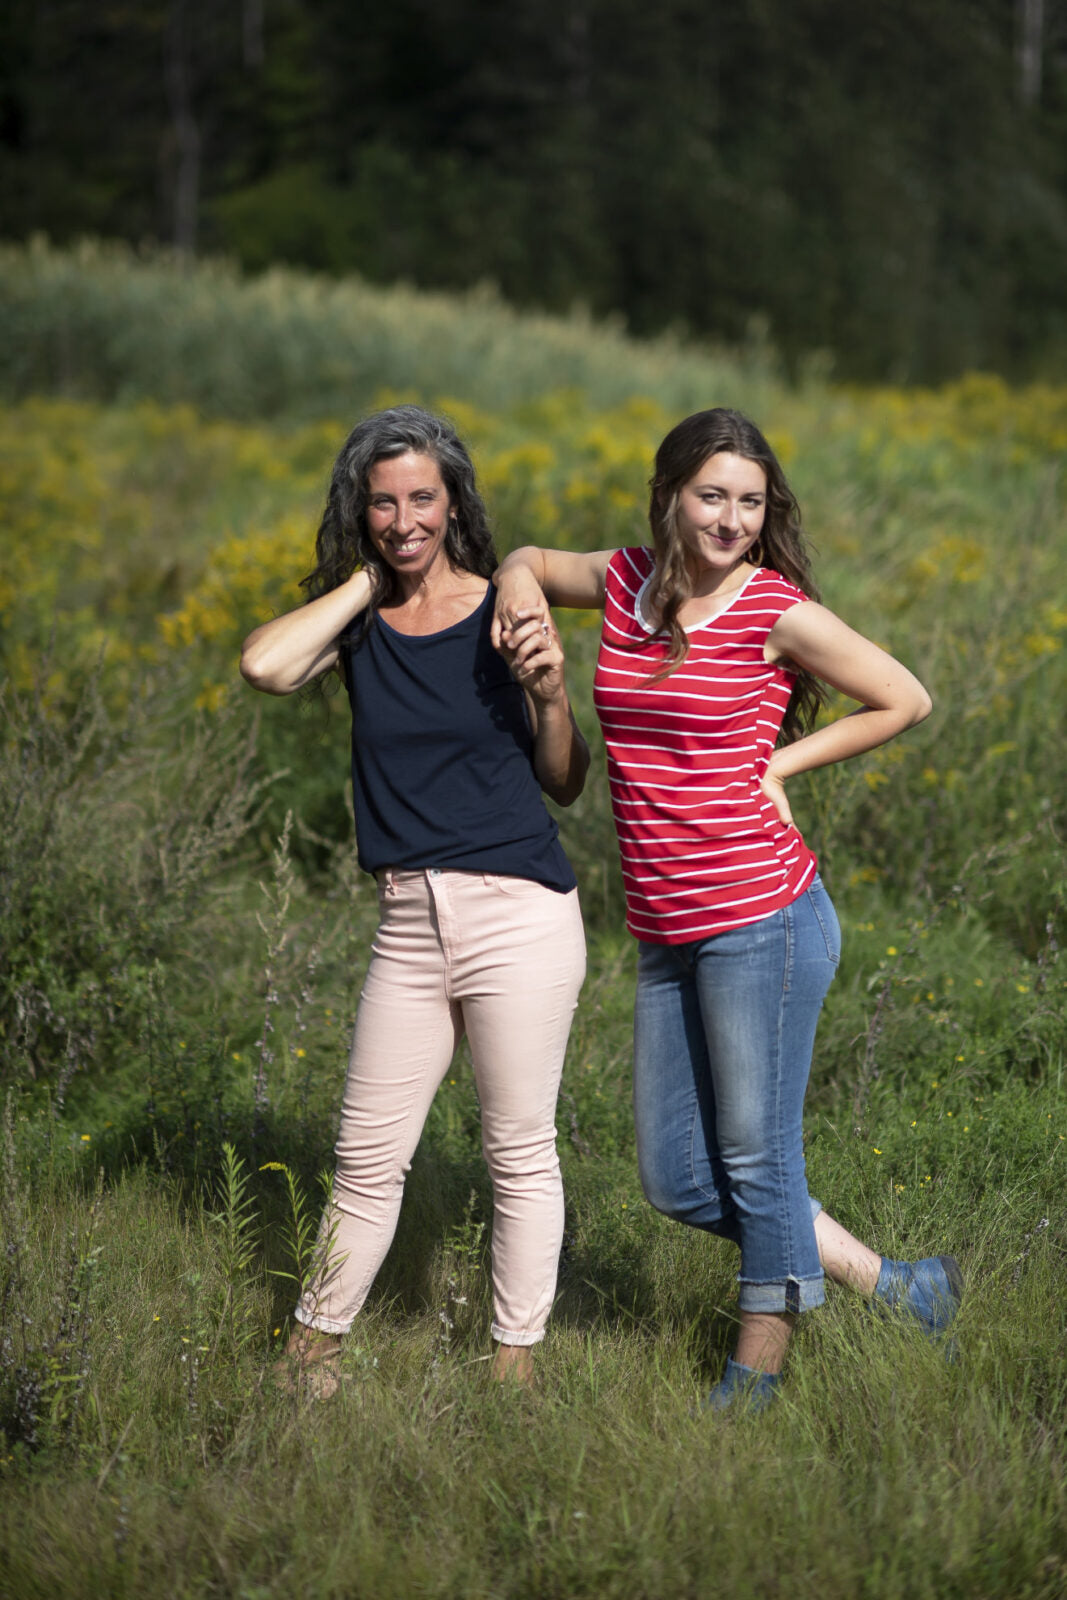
(442, 756)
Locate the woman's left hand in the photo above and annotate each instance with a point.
(535, 655)
(773, 789)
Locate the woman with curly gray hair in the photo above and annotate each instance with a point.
(480, 932)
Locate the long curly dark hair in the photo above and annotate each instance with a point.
(781, 546)
(343, 543)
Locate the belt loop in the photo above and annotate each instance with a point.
(390, 881)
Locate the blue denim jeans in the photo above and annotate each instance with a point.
(723, 1035)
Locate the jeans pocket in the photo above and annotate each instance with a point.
(516, 888)
(826, 917)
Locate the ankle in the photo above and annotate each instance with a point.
(514, 1363)
(740, 1375)
(743, 1387)
(312, 1344)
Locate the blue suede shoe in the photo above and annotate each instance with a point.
(928, 1291)
(742, 1388)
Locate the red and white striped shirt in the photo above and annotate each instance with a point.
(702, 849)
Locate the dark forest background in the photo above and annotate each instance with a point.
(881, 183)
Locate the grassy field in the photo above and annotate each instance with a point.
(184, 932)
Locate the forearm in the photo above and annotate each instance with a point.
(289, 651)
(527, 560)
(862, 730)
(529, 576)
(561, 755)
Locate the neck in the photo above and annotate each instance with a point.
(706, 583)
(436, 583)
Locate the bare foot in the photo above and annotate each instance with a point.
(309, 1363)
(514, 1363)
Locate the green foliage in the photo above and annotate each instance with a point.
(112, 828)
(892, 1472)
(235, 1225)
(44, 1358)
(306, 1250)
(181, 971)
(103, 322)
(872, 183)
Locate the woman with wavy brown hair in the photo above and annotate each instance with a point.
(712, 659)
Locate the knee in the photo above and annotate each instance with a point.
(675, 1194)
(746, 1145)
(358, 1172)
(659, 1184)
(658, 1176)
(516, 1161)
(670, 1192)
(667, 1201)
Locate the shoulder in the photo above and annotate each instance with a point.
(640, 557)
(766, 598)
(770, 586)
(629, 567)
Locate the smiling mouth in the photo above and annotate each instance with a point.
(409, 547)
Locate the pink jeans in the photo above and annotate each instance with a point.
(501, 959)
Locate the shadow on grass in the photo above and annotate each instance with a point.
(605, 1283)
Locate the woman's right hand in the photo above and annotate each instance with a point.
(287, 652)
(534, 653)
(535, 657)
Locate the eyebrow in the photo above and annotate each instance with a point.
(721, 489)
(387, 494)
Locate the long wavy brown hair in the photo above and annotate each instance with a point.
(782, 545)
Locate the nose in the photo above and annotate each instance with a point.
(730, 518)
(405, 517)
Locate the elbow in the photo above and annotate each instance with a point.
(567, 792)
(922, 708)
(256, 671)
(525, 557)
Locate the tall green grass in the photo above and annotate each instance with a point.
(105, 322)
(185, 929)
(158, 1464)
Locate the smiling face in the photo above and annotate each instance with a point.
(720, 514)
(407, 514)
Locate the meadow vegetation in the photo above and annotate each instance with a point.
(185, 928)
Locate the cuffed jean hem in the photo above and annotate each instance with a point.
(320, 1324)
(502, 1336)
(792, 1297)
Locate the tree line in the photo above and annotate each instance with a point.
(883, 186)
